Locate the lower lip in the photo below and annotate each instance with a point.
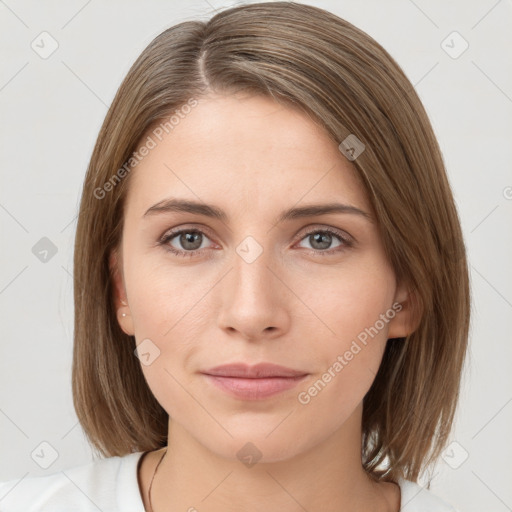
(254, 389)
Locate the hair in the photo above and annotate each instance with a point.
(310, 59)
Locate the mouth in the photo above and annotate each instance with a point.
(254, 382)
(255, 388)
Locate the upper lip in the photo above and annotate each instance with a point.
(260, 370)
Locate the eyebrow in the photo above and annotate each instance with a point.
(208, 210)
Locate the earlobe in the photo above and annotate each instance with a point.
(125, 320)
(124, 316)
(408, 315)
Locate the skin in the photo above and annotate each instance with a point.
(299, 304)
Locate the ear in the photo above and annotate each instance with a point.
(122, 308)
(408, 312)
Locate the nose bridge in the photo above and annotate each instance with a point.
(250, 302)
(251, 280)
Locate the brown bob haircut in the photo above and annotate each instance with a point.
(308, 58)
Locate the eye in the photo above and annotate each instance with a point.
(321, 241)
(189, 242)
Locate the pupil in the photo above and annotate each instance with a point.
(318, 240)
(188, 239)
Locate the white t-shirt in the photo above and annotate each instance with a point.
(111, 485)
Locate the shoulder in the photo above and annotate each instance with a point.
(418, 499)
(107, 484)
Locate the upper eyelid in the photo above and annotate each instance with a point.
(171, 233)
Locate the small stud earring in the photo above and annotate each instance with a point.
(123, 314)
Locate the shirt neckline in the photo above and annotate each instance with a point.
(129, 498)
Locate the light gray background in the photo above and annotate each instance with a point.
(52, 110)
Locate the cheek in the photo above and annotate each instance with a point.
(170, 310)
(165, 297)
(355, 312)
(168, 385)
(351, 300)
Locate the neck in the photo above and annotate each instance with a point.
(328, 477)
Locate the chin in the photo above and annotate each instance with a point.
(252, 447)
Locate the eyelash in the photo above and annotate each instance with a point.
(346, 242)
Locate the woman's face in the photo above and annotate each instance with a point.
(308, 290)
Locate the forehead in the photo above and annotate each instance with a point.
(251, 150)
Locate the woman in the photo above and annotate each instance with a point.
(271, 289)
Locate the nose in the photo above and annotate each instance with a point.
(254, 302)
